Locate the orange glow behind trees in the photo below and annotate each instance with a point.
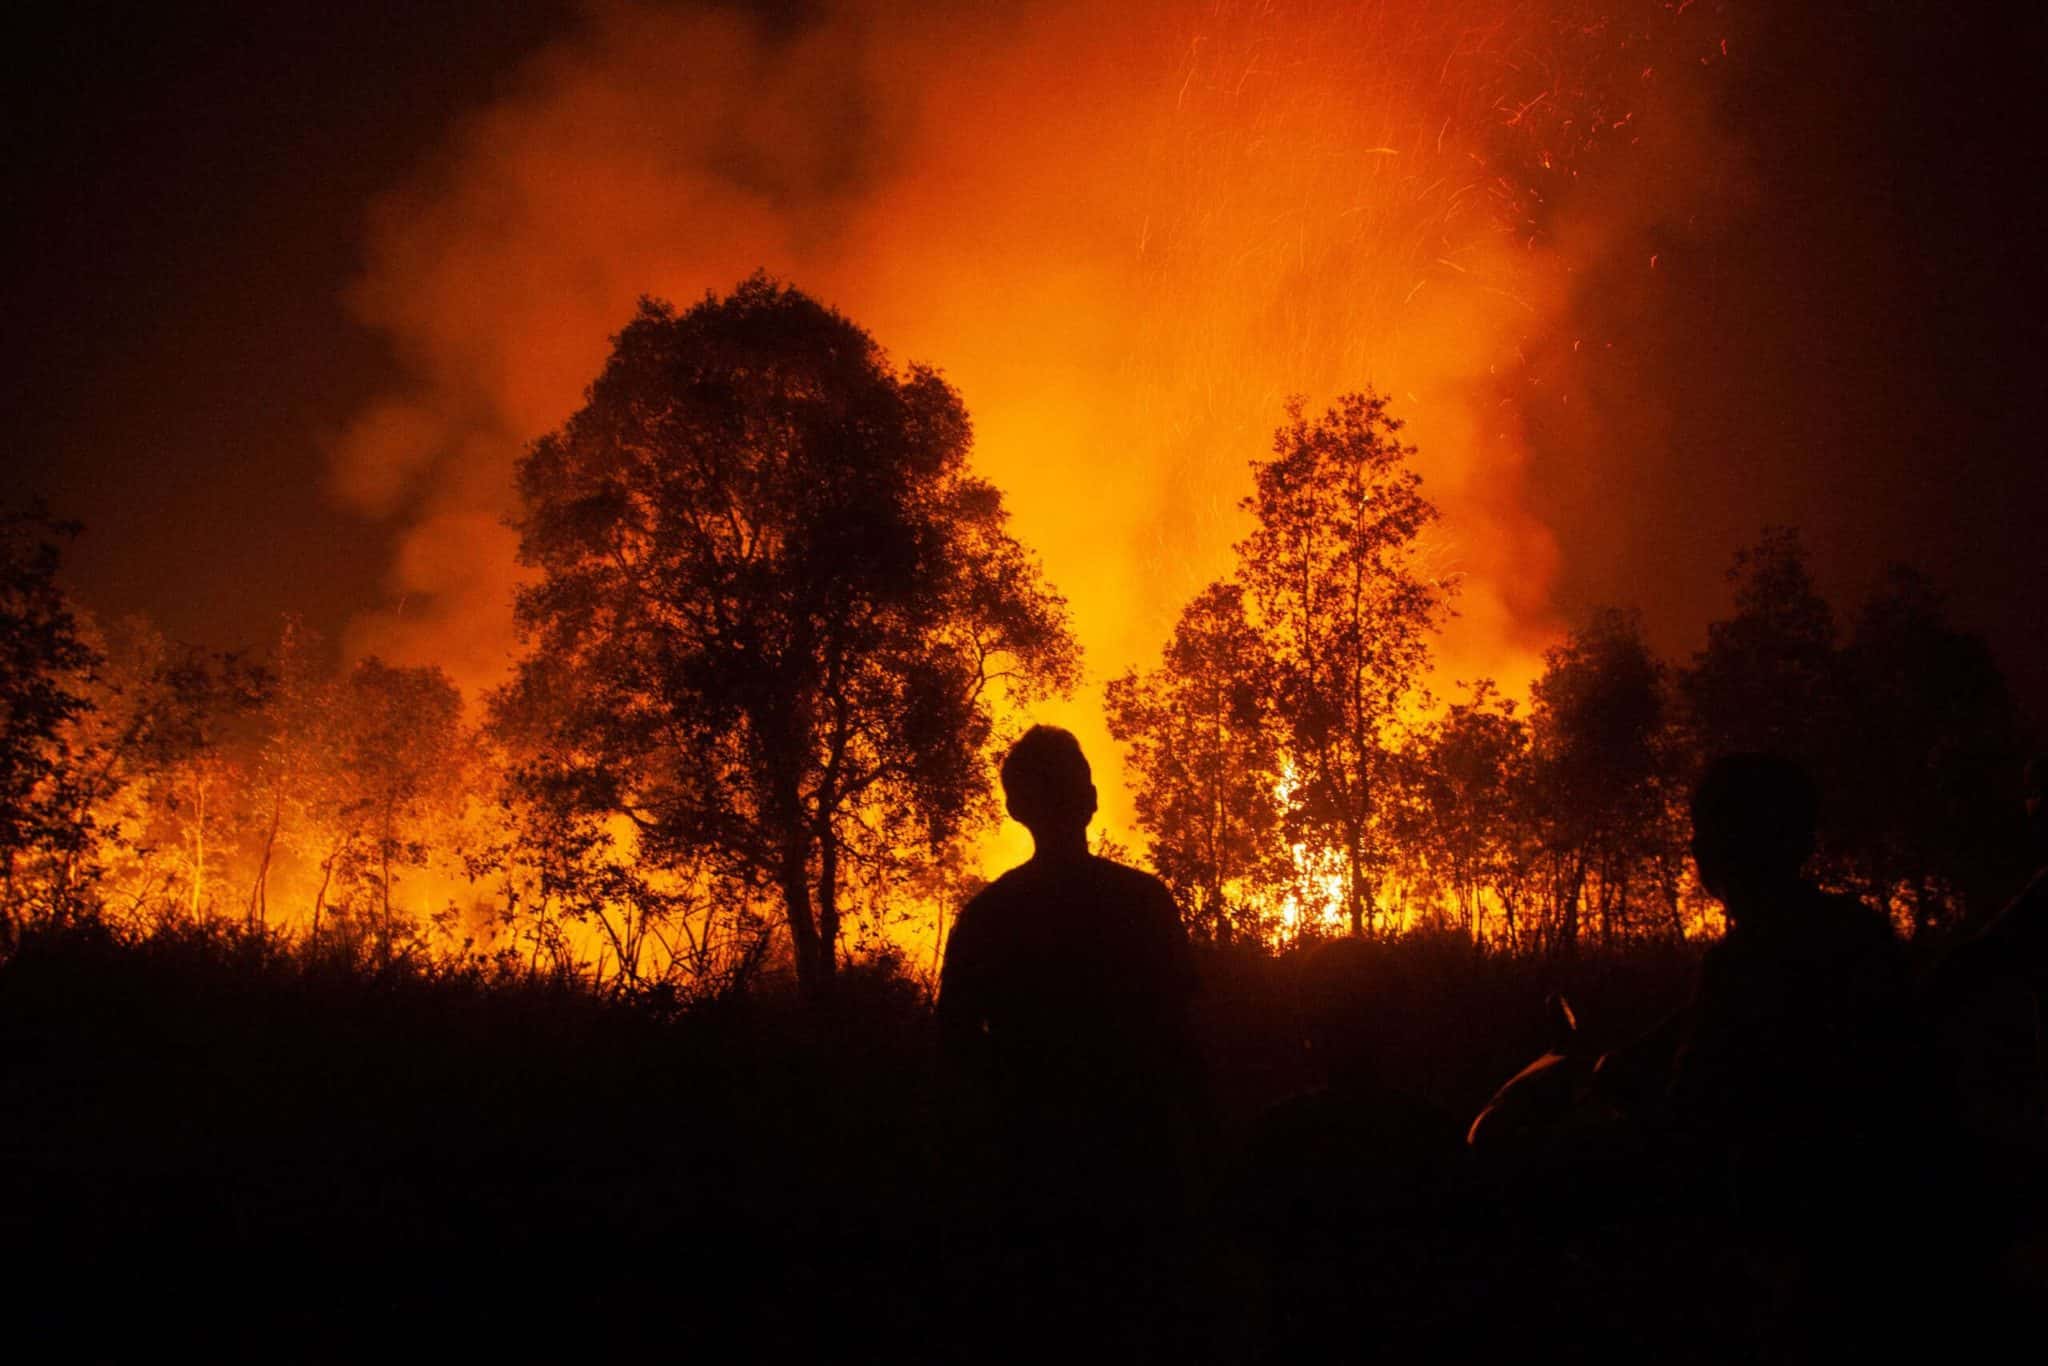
(1125, 232)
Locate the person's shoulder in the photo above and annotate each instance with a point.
(1006, 890)
(1134, 885)
(1854, 941)
(1123, 875)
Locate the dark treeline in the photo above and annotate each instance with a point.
(1539, 825)
(775, 632)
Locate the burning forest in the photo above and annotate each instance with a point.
(1030, 646)
(776, 631)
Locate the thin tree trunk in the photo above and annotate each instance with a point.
(199, 851)
(796, 905)
(384, 885)
(1606, 902)
(320, 897)
(828, 903)
(259, 891)
(1360, 897)
(1568, 912)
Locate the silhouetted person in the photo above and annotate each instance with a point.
(1064, 1001)
(1799, 1071)
(1984, 1000)
(2013, 948)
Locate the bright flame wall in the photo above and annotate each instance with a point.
(1125, 237)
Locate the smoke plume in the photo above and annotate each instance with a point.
(1126, 233)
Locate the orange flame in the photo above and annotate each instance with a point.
(1125, 233)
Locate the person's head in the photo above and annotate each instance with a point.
(1753, 819)
(1047, 786)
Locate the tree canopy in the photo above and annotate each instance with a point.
(42, 660)
(773, 607)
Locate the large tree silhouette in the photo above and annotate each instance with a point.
(1767, 678)
(772, 607)
(1923, 814)
(42, 660)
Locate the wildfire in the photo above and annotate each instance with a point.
(1314, 901)
(1125, 235)
(1126, 238)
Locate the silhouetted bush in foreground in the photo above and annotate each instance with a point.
(279, 1147)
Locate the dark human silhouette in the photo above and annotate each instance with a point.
(1797, 1070)
(1983, 1001)
(1065, 996)
(2013, 947)
(1063, 1015)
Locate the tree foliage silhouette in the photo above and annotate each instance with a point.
(1467, 821)
(1202, 758)
(1335, 573)
(773, 607)
(404, 755)
(42, 660)
(1922, 811)
(1766, 681)
(1604, 770)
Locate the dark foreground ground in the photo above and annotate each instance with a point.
(208, 1143)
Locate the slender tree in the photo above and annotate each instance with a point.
(151, 788)
(1335, 574)
(1467, 823)
(401, 775)
(1203, 758)
(1603, 773)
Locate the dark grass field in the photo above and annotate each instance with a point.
(210, 1140)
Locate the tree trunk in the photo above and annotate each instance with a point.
(320, 897)
(828, 904)
(384, 886)
(1568, 912)
(199, 853)
(803, 926)
(1360, 899)
(1607, 903)
(259, 891)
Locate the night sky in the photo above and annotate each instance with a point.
(1854, 345)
